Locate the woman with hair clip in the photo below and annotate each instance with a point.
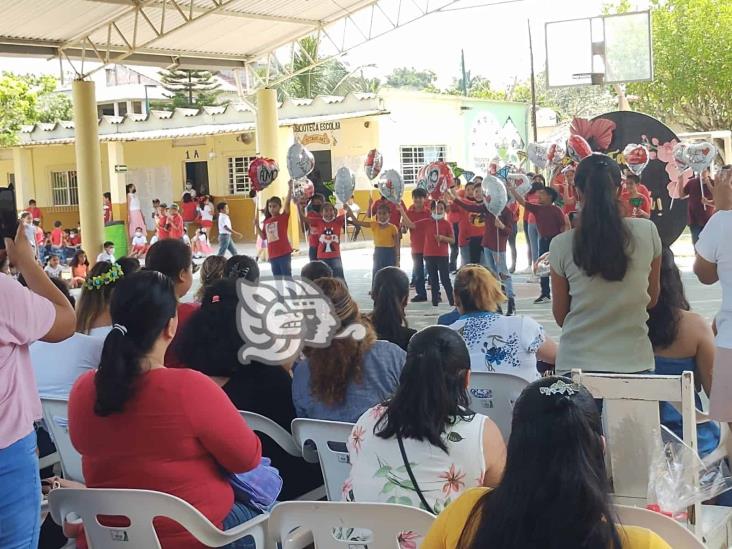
(140, 425)
(605, 277)
(92, 309)
(554, 490)
(390, 292)
(340, 382)
(427, 424)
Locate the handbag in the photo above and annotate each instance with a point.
(408, 467)
(258, 487)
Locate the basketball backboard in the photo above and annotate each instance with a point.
(609, 49)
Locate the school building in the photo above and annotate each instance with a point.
(212, 148)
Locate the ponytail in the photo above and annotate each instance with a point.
(142, 305)
(389, 290)
(602, 239)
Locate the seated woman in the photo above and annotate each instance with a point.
(212, 270)
(140, 425)
(497, 343)
(682, 341)
(210, 343)
(554, 491)
(449, 448)
(390, 292)
(340, 382)
(242, 266)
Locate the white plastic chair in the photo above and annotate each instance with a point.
(298, 524)
(671, 531)
(329, 439)
(55, 416)
(141, 507)
(493, 394)
(262, 424)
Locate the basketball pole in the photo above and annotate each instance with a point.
(533, 84)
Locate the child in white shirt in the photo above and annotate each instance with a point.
(108, 253)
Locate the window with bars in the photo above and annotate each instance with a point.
(413, 157)
(64, 188)
(239, 182)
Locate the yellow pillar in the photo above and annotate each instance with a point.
(88, 166)
(117, 181)
(24, 184)
(272, 143)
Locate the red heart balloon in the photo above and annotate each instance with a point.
(262, 172)
(578, 148)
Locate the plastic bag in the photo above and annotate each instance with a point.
(671, 479)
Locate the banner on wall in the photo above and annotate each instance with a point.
(313, 134)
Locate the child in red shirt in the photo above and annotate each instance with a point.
(416, 213)
(274, 231)
(313, 215)
(107, 207)
(438, 236)
(35, 211)
(635, 203)
(175, 220)
(329, 229)
(162, 226)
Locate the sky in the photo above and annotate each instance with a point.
(493, 37)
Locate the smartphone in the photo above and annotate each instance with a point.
(8, 215)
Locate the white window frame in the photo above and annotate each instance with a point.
(413, 157)
(64, 188)
(237, 174)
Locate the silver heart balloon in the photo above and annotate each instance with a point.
(344, 184)
(537, 154)
(300, 161)
(391, 186)
(699, 156)
(495, 196)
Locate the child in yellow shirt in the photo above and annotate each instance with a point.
(385, 234)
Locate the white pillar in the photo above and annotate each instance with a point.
(117, 181)
(23, 170)
(88, 166)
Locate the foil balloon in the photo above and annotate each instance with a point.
(542, 267)
(300, 161)
(495, 196)
(679, 156)
(391, 186)
(439, 178)
(262, 172)
(555, 154)
(636, 157)
(344, 184)
(373, 164)
(302, 189)
(537, 153)
(520, 182)
(578, 148)
(699, 156)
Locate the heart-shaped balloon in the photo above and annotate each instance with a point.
(542, 267)
(520, 182)
(302, 189)
(699, 156)
(679, 155)
(439, 178)
(391, 186)
(636, 157)
(262, 172)
(300, 161)
(344, 184)
(373, 164)
(495, 196)
(555, 154)
(537, 153)
(578, 148)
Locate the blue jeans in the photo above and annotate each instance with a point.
(464, 255)
(336, 264)
(20, 495)
(418, 274)
(497, 264)
(544, 248)
(225, 243)
(534, 242)
(313, 253)
(383, 257)
(281, 266)
(239, 514)
(695, 230)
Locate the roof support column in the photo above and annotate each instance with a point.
(23, 169)
(88, 166)
(117, 180)
(273, 142)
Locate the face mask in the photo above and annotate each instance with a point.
(438, 217)
(138, 234)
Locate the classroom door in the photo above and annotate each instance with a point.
(197, 174)
(323, 172)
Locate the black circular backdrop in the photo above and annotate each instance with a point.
(630, 127)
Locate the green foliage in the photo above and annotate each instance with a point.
(409, 77)
(27, 99)
(189, 88)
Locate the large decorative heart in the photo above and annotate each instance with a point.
(300, 161)
(373, 164)
(262, 172)
(636, 157)
(344, 184)
(302, 189)
(495, 196)
(537, 153)
(578, 148)
(391, 186)
(699, 156)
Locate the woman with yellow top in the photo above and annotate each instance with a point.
(385, 234)
(554, 490)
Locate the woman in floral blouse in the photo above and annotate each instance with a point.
(449, 448)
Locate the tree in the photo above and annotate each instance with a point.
(692, 49)
(27, 99)
(190, 88)
(404, 77)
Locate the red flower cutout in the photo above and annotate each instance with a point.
(598, 133)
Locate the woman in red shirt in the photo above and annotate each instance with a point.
(140, 425)
(189, 210)
(274, 231)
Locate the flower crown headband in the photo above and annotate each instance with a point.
(105, 279)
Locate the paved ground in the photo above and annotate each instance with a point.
(357, 264)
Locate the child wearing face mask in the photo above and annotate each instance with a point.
(139, 244)
(274, 231)
(328, 227)
(108, 253)
(438, 235)
(386, 236)
(314, 213)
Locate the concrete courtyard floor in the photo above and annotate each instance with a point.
(357, 265)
